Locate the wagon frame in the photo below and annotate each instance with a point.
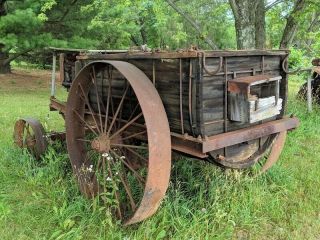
(187, 99)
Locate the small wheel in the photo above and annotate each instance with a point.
(243, 155)
(30, 134)
(118, 139)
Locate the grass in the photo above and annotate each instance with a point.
(40, 200)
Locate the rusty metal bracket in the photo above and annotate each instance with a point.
(243, 135)
(205, 67)
(285, 67)
(57, 105)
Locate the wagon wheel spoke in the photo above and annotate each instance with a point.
(130, 146)
(85, 122)
(118, 110)
(84, 95)
(126, 126)
(83, 140)
(108, 104)
(138, 176)
(138, 155)
(116, 193)
(134, 135)
(94, 79)
(125, 184)
(133, 112)
(121, 108)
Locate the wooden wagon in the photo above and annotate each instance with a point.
(127, 110)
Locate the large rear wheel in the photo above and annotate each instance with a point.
(246, 154)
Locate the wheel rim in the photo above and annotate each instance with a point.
(119, 156)
(30, 134)
(239, 161)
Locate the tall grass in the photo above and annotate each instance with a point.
(40, 199)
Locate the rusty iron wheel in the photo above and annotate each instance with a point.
(29, 133)
(246, 155)
(118, 139)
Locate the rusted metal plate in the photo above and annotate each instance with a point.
(247, 134)
(187, 146)
(57, 105)
(241, 85)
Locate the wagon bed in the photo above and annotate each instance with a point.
(193, 86)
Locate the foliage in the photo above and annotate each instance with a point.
(298, 58)
(34, 25)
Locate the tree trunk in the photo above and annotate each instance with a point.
(292, 24)
(260, 25)
(4, 56)
(4, 67)
(143, 32)
(244, 12)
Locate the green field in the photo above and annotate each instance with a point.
(40, 200)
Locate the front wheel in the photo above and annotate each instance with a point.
(118, 139)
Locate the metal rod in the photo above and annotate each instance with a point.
(226, 101)
(53, 76)
(231, 73)
(190, 96)
(309, 95)
(262, 72)
(226, 96)
(153, 72)
(181, 104)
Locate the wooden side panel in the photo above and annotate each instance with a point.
(213, 98)
(165, 73)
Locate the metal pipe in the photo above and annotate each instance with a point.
(154, 72)
(309, 95)
(53, 76)
(181, 100)
(190, 95)
(225, 114)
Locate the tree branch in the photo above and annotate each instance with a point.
(273, 4)
(193, 23)
(15, 56)
(134, 40)
(68, 10)
(234, 8)
(292, 24)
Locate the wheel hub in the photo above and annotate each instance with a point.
(103, 143)
(30, 142)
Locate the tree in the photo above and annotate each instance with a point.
(4, 65)
(249, 23)
(31, 26)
